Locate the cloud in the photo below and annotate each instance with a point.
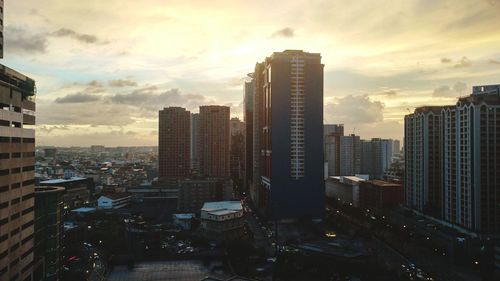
(84, 38)
(286, 32)
(492, 61)
(445, 60)
(464, 62)
(78, 98)
(387, 93)
(148, 98)
(122, 83)
(355, 110)
(94, 83)
(20, 40)
(459, 89)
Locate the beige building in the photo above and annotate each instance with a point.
(17, 160)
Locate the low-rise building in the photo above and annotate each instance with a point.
(222, 219)
(378, 195)
(183, 220)
(193, 193)
(113, 201)
(345, 189)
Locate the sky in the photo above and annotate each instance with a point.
(104, 68)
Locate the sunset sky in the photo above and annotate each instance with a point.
(105, 67)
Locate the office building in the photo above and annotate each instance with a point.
(248, 120)
(17, 173)
(48, 233)
(290, 125)
(195, 162)
(471, 146)
(174, 159)
(193, 193)
(423, 149)
(331, 138)
(350, 155)
(258, 115)
(213, 141)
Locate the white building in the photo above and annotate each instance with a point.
(113, 201)
(222, 216)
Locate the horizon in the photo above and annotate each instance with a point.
(104, 78)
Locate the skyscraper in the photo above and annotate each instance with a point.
(290, 123)
(248, 119)
(213, 141)
(423, 160)
(471, 161)
(350, 155)
(258, 117)
(331, 139)
(17, 173)
(452, 159)
(195, 161)
(174, 161)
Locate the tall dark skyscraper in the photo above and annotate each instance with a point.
(213, 143)
(248, 119)
(291, 135)
(17, 173)
(423, 169)
(174, 161)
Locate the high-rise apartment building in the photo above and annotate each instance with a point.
(452, 158)
(174, 160)
(236, 126)
(214, 141)
(376, 157)
(289, 87)
(423, 172)
(471, 161)
(248, 119)
(331, 138)
(17, 173)
(195, 161)
(350, 155)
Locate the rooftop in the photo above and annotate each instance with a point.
(222, 205)
(59, 181)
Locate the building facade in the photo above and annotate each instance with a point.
(350, 155)
(213, 143)
(174, 149)
(331, 138)
(48, 233)
(291, 135)
(423, 160)
(471, 146)
(195, 161)
(248, 120)
(376, 156)
(17, 173)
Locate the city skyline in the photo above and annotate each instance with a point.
(126, 63)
